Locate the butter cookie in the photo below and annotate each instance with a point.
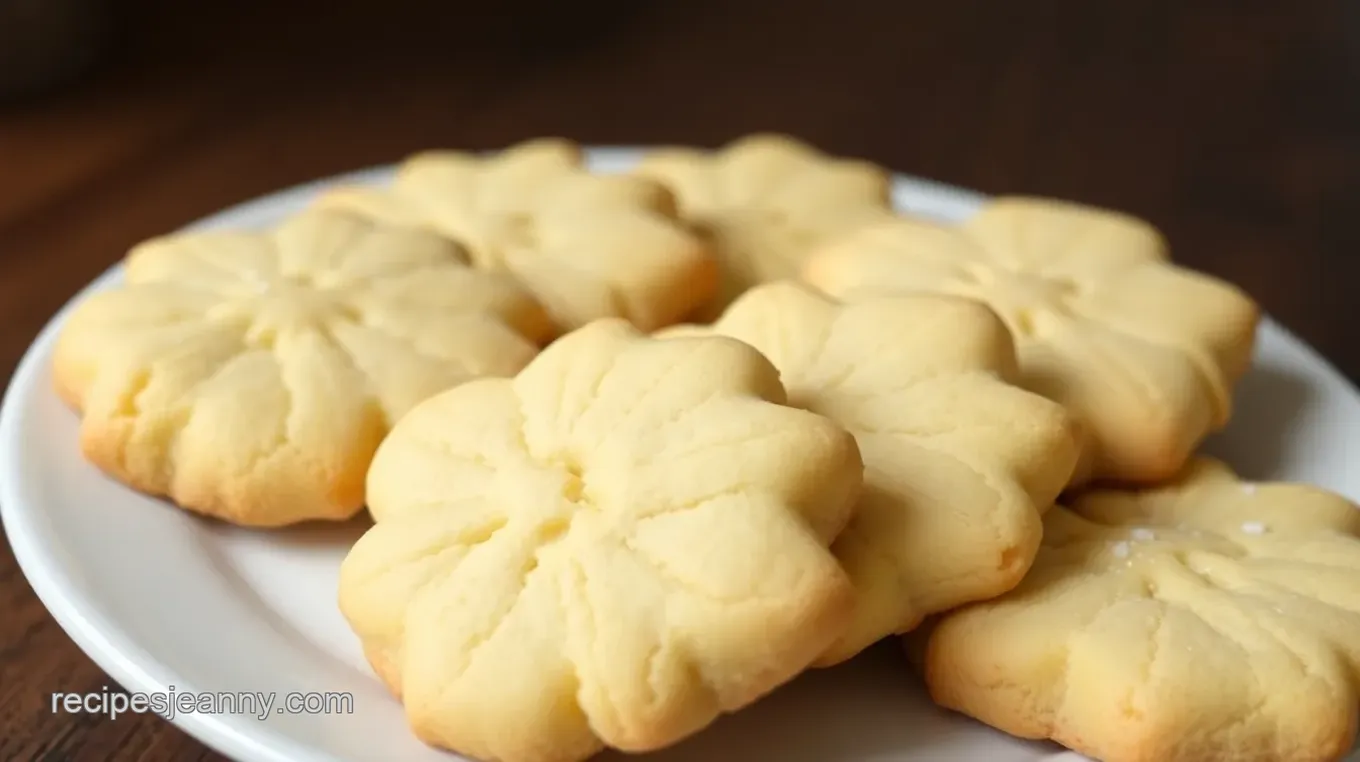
(1207, 619)
(1145, 353)
(250, 375)
(959, 464)
(586, 245)
(765, 201)
(612, 549)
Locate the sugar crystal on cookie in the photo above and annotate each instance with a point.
(1253, 527)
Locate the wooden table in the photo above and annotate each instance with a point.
(1235, 127)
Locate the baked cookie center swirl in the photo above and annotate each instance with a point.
(271, 306)
(1027, 301)
(552, 501)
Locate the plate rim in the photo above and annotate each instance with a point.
(116, 651)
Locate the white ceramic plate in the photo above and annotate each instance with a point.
(158, 598)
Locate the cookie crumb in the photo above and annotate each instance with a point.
(1142, 534)
(1121, 549)
(1254, 527)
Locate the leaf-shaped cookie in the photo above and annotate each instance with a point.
(765, 201)
(612, 549)
(251, 375)
(959, 464)
(1206, 619)
(587, 246)
(1145, 353)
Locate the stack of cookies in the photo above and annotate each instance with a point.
(641, 448)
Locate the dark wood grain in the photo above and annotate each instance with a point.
(1233, 126)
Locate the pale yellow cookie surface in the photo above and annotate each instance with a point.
(1208, 619)
(764, 201)
(612, 549)
(250, 375)
(959, 464)
(587, 246)
(1145, 353)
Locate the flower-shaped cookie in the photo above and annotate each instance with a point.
(959, 464)
(1208, 619)
(251, 375)
(766, 200)
(587, 246)
(611, 549)
(1145, 353)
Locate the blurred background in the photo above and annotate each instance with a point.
(1233, 126)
